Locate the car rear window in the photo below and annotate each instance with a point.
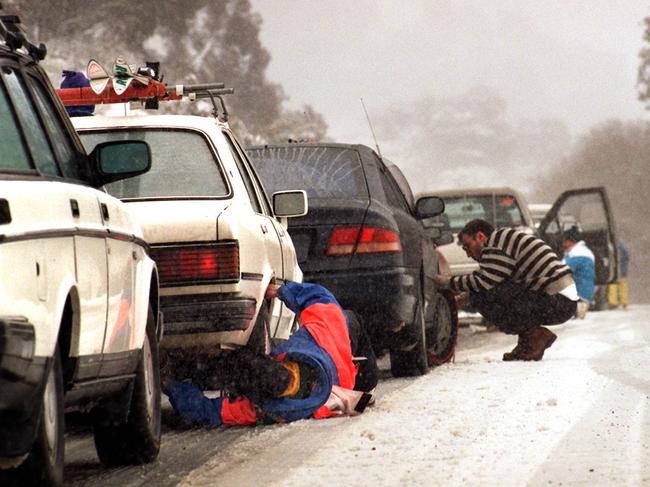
(182, 164)
(324, 172)
(501, 210)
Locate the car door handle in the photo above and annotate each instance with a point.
(74, 208)
(105, 214)
(264, 229)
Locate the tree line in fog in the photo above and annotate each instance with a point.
(196, 41)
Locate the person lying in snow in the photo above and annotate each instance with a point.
(312, 374)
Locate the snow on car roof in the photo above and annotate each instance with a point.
(103, 121)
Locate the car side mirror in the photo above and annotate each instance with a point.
(429, 206)
(290, 204)
(438, 230)
(121, 159)
(444, 237)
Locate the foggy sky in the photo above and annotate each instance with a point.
(570, 60)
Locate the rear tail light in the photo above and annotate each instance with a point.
(362, 240)
(197, 264)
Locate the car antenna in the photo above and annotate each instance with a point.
(372, 130)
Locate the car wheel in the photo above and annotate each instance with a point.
(362, 354)
(136, 441)
(260, 338)
(441, 337)
(413, 360)
(44, 464)
(601, 299)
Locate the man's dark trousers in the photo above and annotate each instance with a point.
(513, 309)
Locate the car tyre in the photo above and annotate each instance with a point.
(136, 441)
(260, 338)
(601, 299)
(412, 362)
(44, 464)
(441, 337)
(362, 353)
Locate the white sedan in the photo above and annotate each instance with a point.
(215, 236)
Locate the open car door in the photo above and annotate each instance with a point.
(587, 209)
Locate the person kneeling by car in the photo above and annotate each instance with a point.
(312, 374)
(521, 286)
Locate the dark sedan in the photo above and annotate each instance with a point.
(364, 239)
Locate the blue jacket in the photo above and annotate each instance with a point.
(582, 263)
(322, 342)
(623, 260)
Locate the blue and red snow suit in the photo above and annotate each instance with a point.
(322, 342)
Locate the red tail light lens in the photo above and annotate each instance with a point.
(367, 240)
(342, 240)
(197, 264)
(378, 240)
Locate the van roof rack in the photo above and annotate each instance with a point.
(14, 37)
(144, 84)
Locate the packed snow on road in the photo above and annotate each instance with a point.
(579, 417)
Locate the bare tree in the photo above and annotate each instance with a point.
(614, 154)
(643, 74)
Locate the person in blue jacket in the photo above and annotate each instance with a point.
(76, 79)
(312, 374)
(582, 263)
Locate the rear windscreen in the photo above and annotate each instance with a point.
(182, 164)
(501, 210)
(324, 172)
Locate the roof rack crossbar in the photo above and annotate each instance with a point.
(14, 37)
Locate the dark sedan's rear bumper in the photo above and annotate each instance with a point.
(384, 298)
(206, 313)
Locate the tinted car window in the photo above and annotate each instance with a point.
(393, 195)
(183, 164)
(402, 184)
(62, 147)
(14, 156)
(34, 133)
(500, 210)
(324, 172)
(264, 200)
(250, 188)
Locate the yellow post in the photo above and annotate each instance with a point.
(622, 292)
(612, 295)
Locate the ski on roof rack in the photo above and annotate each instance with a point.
(128, 84)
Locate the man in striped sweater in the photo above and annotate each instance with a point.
(521, 285)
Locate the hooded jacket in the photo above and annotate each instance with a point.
(322, 342)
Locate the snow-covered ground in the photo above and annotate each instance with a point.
(579, 417)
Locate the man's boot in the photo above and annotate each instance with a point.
(518, 350)
(538, 340)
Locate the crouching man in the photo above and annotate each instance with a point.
(520, 287)
(310, 375)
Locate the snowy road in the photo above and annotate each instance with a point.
(579, 417)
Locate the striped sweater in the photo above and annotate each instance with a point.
(513, 255)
